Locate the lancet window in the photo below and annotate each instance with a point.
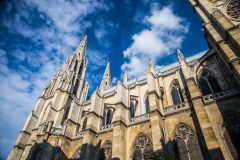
(187, 143)
(76, 64)
(208, 83)
(80, 69)
(142, 147)
(147, 104)
(75, 89)
(133, 107)
(84, 125)
(176, 93)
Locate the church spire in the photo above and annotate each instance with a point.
(80, 52)
(180, 54)
(106, 79)
(183, 64)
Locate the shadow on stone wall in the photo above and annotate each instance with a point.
(45, 151)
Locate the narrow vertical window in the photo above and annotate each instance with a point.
(80, 69)
(147, 105)
(76, 64)
(84, 124)
(75, 89)
(133, 107)
(109, 117)
(176, 93)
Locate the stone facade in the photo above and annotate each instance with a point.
(188, 110)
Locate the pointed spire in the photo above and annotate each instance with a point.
(183, 64)
(106, 79)
(81, 49)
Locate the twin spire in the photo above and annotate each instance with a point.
(106, 79)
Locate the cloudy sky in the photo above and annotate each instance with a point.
(38, 35)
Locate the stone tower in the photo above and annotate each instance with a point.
(58, 107)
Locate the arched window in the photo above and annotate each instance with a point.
(176, 93)
(142, 147)
(187, 143)
(75, 89)
(208, 83)
(84, 124)
(105, 153)
(133, 107)
(108, 113)
(147, 105)
(231, 133)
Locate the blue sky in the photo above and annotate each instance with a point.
(38, 35)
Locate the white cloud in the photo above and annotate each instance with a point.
(165, 34)
(114, 81)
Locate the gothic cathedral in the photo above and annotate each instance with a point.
(188, 110)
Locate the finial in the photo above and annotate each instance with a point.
(150, 62)
(125, 77)
(150, 65)
(180, 54)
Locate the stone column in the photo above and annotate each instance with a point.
(119, 133)
(204, 122)
(155, 121)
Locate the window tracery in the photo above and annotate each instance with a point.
(233, 9)
(208, 83)
(142, 147)
(187, 143)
